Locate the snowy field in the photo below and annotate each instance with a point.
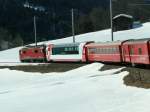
(85, 89)
(19, 64)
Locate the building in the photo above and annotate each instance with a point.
(122, 22)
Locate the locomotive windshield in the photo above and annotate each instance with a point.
(65, 50)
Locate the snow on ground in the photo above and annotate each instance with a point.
(105, 35)
(12, 55)
(20, 64)
(85, 89)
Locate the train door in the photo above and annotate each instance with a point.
(126, 53)
(48, 52)
(130, 53)
(148, 46)
(86, 53)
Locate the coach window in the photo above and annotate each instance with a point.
(72, 50)
(110, 51)
(69, 49)
(106, 50)
(100, 51)
(24, 52)
(76, 48)
(117, 50)
(92, 50)
(114, 50)
(36, 51)
(140, 51)
(96, 50)
(131, 51)
(66, 49)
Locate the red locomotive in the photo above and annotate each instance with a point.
(33, 54)
(128, 51)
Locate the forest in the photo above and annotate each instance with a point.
(53, 18)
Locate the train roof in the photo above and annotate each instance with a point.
(106, 43)
(31, 47)
(130, 41)
(145, 40)
(69, 44)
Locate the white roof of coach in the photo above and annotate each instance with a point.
(69, 44)
(106, 43)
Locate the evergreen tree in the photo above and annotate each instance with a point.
(99, 18)
(17, 41)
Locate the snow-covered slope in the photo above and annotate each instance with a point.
(85, 89)
(104, 35)
(11, 55)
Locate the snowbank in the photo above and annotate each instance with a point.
(85, 89)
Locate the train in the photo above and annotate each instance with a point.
(134, 51)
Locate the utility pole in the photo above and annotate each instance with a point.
(54, 23)
(73, 32)
(111, 21)
(35, 37)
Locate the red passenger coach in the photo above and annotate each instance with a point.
(136, 51)
(33, 54)
(104, 52)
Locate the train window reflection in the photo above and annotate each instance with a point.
(65, 50)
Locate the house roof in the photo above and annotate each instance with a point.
(123, 15)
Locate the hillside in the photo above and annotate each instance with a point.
(12, 55)
(88, 88)
(53, 17)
